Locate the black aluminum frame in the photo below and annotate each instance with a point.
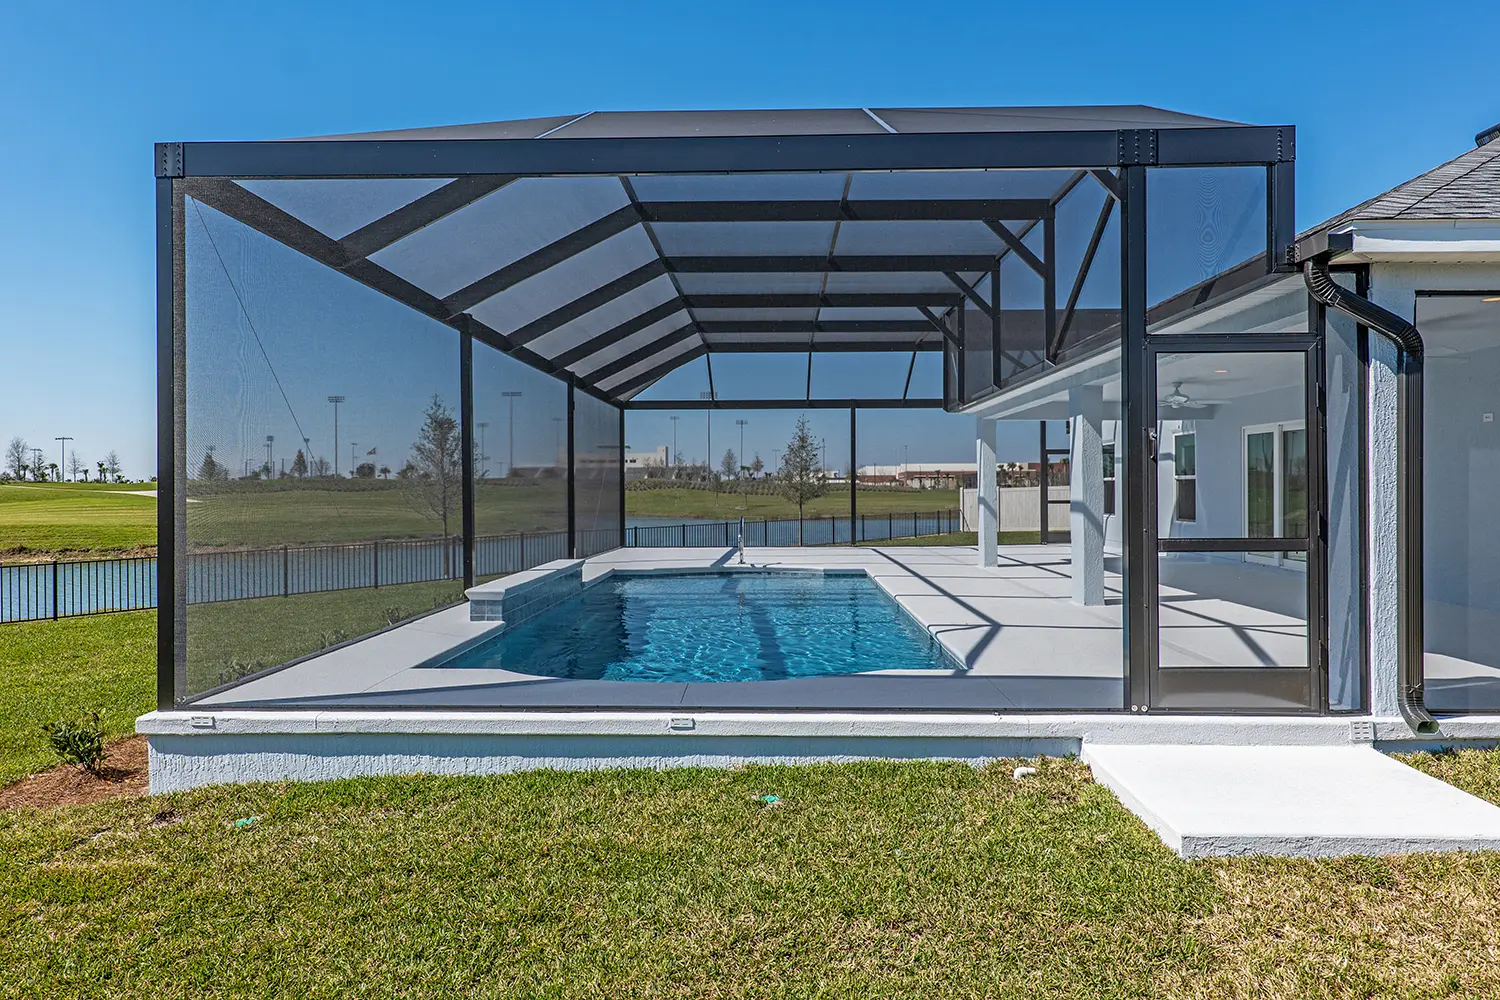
(1307, 685)
(1117, 159)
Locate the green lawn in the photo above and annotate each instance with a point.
(728, 504)
(51, 670)
(75, 518)
(230, 639)
(866, 880)
(920, 879)
(306, 516)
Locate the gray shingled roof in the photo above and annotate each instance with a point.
(1466, 187)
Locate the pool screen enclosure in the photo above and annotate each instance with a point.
(394, 364)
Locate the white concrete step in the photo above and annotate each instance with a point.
(1295, 801)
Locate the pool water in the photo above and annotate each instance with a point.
(715, 627)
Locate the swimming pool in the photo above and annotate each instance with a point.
(715, 627)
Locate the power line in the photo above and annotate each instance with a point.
(248, 321)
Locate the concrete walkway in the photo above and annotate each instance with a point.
(1303, 801)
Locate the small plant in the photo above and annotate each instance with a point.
(395, 614)
(332, 638)
(234, 668)
(79, 742)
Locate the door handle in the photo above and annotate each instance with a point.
(1151, 443)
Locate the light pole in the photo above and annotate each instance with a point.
(510, 420)
(743, 423)
(775, 459)
(270, 455)
(557, 455)
(61, 468)
(306, 456)
(482, 456)
(335, 400)
(673, 457)
(708, 462)
(353, 460)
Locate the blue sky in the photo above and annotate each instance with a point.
(1379, 92)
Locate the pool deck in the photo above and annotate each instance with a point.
(1006, 626)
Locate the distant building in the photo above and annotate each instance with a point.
(640, 462)
(955, 475)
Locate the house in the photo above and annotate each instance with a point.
(1277, 443)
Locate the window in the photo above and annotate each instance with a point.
(1109, 479)
(1185, 476)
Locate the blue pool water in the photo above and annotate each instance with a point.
(715, 627)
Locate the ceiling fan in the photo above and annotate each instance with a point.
(1179, 400)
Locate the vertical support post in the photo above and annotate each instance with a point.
(1086, 493)
(1049, 284)
(1138, 385)
(853, 474)
(572, 487)
(996, 357)
(171, 307)
(622, 475)
(54, 590)
(466, 442)
(987, 492)
(1281, 221)
(1044, 485)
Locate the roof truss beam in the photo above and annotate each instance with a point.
(640, 354)
(770, 346)
(587, 303)
(632, 326)
(815, 326)
(644, 379)
(815, 263)
(814, 300)
(408, 219)
(540, 260)
(882, 210)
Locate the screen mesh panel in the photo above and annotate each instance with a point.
(302, 535)
(337, 207)
(520, 465)
(598, 473)
(1201, 221)
(500, 228)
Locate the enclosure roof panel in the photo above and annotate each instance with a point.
(804, 121)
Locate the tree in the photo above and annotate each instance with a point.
(320, 467)
(385, 472)
(299, 465)
(38, 467)
(112, 466)
(437, 466)
(15, 457)
(100, 465)
(75, 466)
(757, 466)
(800, 478)
(209, 470)
(365, 470)
(729, 466)
(52, 472)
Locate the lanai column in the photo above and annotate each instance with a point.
(1086, 493)
(987, 498)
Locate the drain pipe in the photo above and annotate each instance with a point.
(1324, 289)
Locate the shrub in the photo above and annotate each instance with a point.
(79, 742)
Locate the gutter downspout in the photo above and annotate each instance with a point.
(1324, 289)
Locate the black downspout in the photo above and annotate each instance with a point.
(1323, 288)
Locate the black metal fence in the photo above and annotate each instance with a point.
(796, 531)
(65, 589)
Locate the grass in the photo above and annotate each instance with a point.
(231, 639)
(75, 518)
(866, 880)
(728, 504)
(51, 670)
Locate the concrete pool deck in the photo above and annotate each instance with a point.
(1005, 625)
(1023, 643)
